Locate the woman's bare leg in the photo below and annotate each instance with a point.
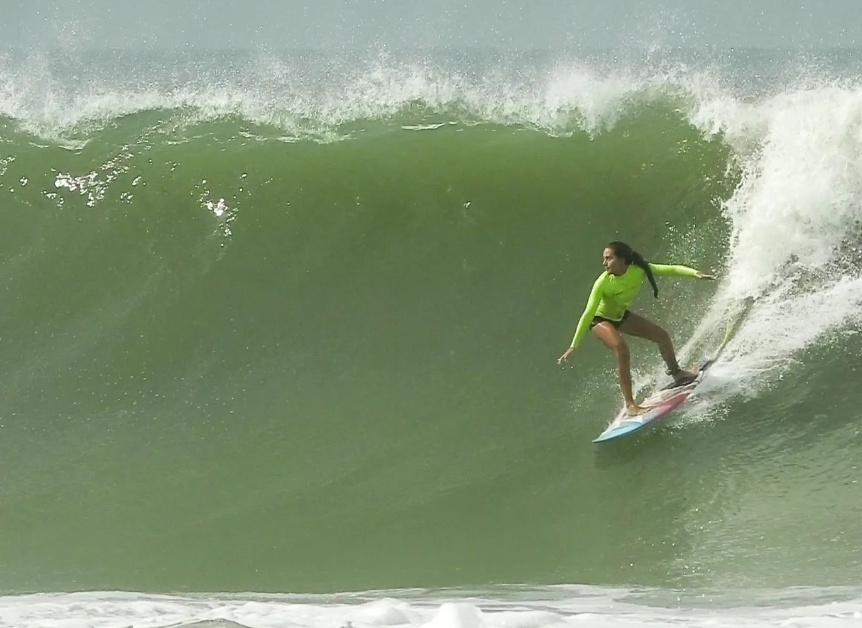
(611, 338)
(641, 327)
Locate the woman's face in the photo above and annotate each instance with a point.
(613, 264)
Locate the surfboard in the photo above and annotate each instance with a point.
(659, 403)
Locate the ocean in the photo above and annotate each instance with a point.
(279, 332)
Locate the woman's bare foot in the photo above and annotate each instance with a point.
(683, 377)
(633, 409)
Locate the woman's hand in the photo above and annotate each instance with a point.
(566, 355)
(701, 275)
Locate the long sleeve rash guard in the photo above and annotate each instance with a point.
(611, 296)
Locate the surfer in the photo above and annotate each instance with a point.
(607, 314)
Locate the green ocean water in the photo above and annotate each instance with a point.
(236, 356)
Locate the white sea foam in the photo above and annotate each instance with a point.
(794, 255)
(551, 607)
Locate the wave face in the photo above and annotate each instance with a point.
(289, 324)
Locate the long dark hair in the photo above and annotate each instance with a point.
(623, 250)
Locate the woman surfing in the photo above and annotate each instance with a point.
(607, 314)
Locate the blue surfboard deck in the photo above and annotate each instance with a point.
(660, 403)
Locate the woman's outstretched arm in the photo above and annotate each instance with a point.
(678, 269)
(584, 322)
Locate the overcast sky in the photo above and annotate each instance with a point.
(506, 24)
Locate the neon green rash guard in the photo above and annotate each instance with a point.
(611, 296)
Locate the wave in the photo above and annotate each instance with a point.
(794, 216)
(352, 281)
(793, 219)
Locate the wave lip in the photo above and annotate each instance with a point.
(58, 96)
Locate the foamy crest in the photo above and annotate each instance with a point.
(313, 99)
(801, 193)
(794, 256)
